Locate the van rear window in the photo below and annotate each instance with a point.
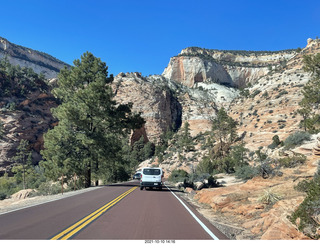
(151, 171)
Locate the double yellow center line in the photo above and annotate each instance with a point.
(69, 232)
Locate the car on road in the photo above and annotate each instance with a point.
(151, 178)
(137, 176)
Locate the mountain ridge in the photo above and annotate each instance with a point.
(40, 62)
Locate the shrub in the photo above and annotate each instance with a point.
(296, 139)
(275, 142)
(246, 172)
(48, 188)
(212, 182)
(205, 166)
(178, 175)
(8, 186)
(195, 177)
(310, 207)
(269, 197)
(290, 162)
(3, 195)
(256, 92)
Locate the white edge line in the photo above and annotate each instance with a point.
(195, 217)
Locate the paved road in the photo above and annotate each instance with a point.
(120, 212)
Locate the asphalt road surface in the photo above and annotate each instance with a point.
(117, 212)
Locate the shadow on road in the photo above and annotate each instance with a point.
(137, 183)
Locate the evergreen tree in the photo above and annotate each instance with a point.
(311, 94)
(21, 158)
(224, 129)
(87, 140)
(2, 132)
(185, 141)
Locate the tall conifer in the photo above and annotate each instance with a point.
(87, 140)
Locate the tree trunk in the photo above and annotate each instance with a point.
(88, 178)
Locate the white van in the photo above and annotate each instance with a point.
(151, 177)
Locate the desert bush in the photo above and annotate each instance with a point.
(246, 172)
(296, 139)
(275, 142)
(205, 166)
(290, 162)
(178, 175)
(48, 188)
(269, 197)
(310, 207)
(3, 195)
(212, 182)
(8, 186)
(256, 92)
(196, 177)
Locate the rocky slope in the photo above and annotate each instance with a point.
(25, 57)
(245, 210)
(271, 101)
(270, 108)
(29, 120)
(265, 109)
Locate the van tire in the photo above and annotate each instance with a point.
(141, 188)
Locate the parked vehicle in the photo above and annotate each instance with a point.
(137, 176)
(151, 177)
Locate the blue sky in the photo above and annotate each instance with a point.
(141, 35)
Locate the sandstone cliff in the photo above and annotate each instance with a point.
(165, 104)
(25, 57)
(153, 98)
(232, 68)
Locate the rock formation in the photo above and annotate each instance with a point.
(316, 149)
(25, 57)
(30, 121)
(232, 68)
(152, 98)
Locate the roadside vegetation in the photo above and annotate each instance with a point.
(90, 142)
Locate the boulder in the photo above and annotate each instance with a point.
(23, 194)
(198, 185)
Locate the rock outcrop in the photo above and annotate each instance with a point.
(240, 207)
(151, 97)
(25, 57)
(165, 104)
(316, 149)
(189, 70)
(29, 121)
(232, 68)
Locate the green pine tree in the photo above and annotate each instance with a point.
(311, 95)
(21, 158)
(186, 141)
(224, 130)
(87, 140)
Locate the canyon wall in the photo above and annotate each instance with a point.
(231, 68)
(25, 57)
